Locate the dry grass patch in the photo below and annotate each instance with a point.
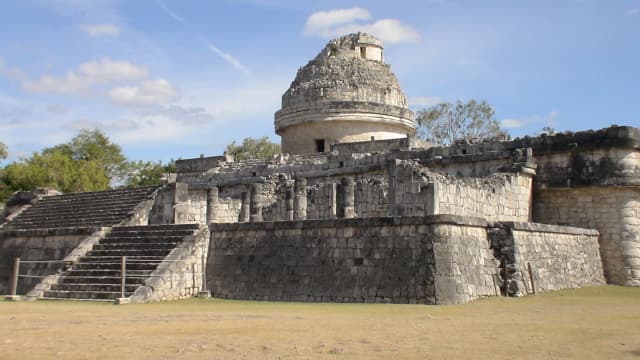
(590, 323)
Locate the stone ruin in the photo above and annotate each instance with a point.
(361, 211)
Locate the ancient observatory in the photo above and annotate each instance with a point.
(353, 211)
(345, 94)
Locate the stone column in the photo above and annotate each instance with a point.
(300, 200)
(288, 198)
(244, 208)
(255, 203)
(333, 191)
(212, 203)
(347, 204)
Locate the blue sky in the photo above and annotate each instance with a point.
(169, 79)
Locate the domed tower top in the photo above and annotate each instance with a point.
(346, 94)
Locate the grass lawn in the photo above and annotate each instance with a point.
(590, 323)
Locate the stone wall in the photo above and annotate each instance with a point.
(432, 260)
(614, 211)
(377, 187)
(229, 204)
(38, 245)
(180, 275)
(560, 257)
(141, 213)
(197, 207)
(500, 197)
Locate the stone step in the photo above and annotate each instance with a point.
(61, 294)
(74, 205)
(79, 197)
(130, 252)
(108, 280)
(55, 224)
(144, 239)
(156, 227)
(149, 233)
(87, 217)
(77, 274)
(134, 277)
(114, 266)
(82, 213)
(72, 299)
(135, 246)
(98, 194)
(98, 259)
(129, 288)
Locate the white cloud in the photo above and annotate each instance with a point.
(158, 123)
(549, 119)
(147, 92)
(88, 74)
(96, 30)
(229, 59)
(424, 101)
(512, 123)
(389, 30)
(121, 125)
(333, 23)
(321, 22)
(635, 11)
(186, 115)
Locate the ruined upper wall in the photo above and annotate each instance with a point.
(344, 71)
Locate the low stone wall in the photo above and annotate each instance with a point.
(560, 257)
(52, 277)
(180, 275)
(430, 260)
(37, 244)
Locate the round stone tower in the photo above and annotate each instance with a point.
(346, 94)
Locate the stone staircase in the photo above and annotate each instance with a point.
(97, 276)
(89, 209)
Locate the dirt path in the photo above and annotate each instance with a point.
(592, 323)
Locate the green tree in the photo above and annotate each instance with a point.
(89, 162)
(445, 123)
(548, 130)
(251, 148)
(144, 173)
(3, 151)
(94, 145)
(54, 169)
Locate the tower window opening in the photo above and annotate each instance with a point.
(319, 145)
(363, 52)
